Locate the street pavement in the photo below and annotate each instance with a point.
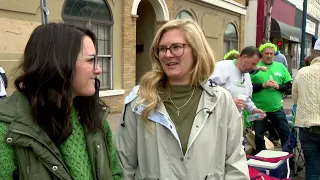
(115, 120)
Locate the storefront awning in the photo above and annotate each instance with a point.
(286, 31)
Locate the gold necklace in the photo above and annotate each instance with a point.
(178, 108)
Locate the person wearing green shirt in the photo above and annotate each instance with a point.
(268, 87)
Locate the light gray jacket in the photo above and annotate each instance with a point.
(214, 150)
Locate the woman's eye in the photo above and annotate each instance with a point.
(162, 49)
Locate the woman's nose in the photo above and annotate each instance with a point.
(98, 70)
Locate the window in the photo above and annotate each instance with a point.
(230, 38)
(95, 15)
(296, 61)
(184, 15)
(309, 47)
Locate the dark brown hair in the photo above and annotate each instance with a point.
(48, 67)
(251, 51)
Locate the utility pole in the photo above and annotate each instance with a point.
(303, 35)
(269, 4)
(44, 11)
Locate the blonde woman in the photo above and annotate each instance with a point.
(176, 126)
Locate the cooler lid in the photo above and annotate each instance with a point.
(267, 154)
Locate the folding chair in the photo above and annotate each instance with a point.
(297, 150)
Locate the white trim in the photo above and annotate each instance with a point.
(111, 92)
(229, 5)
(9, 60)
(159, 6)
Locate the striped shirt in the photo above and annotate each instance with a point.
(3, 82)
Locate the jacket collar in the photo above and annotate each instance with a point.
(210, 89)
(18, 113)
(12, 106)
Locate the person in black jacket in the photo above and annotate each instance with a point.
(3, 83)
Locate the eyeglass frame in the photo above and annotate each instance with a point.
(95, 60)
(169, 48)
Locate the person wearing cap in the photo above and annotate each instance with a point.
(306, 94)
(233, 75)
(268, 87)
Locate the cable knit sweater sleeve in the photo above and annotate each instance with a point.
(115, 165)
(7, 165)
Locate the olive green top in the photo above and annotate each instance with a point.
(180, 94)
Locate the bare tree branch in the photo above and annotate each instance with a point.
(268, 20)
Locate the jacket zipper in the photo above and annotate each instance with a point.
(19, 164)
(26, 134)
(97, 161)
(28, 162)
(174, 128)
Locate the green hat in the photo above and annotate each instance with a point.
(268, 44)
(230, 53)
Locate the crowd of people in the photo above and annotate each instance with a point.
(185, 119)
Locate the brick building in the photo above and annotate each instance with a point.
(125, 29)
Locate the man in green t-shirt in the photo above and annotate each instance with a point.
(268, 87)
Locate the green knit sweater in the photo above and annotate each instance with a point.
(73, 151)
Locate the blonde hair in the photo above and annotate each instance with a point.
(156, 78)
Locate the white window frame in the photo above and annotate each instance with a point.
(88, 22)
(178, 16)
(229, 42)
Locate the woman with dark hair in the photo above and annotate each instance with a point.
(54, 125)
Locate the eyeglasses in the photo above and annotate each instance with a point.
(176, 50)
(93, 59)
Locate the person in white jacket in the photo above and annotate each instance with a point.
(176, 126)
(233, 75)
